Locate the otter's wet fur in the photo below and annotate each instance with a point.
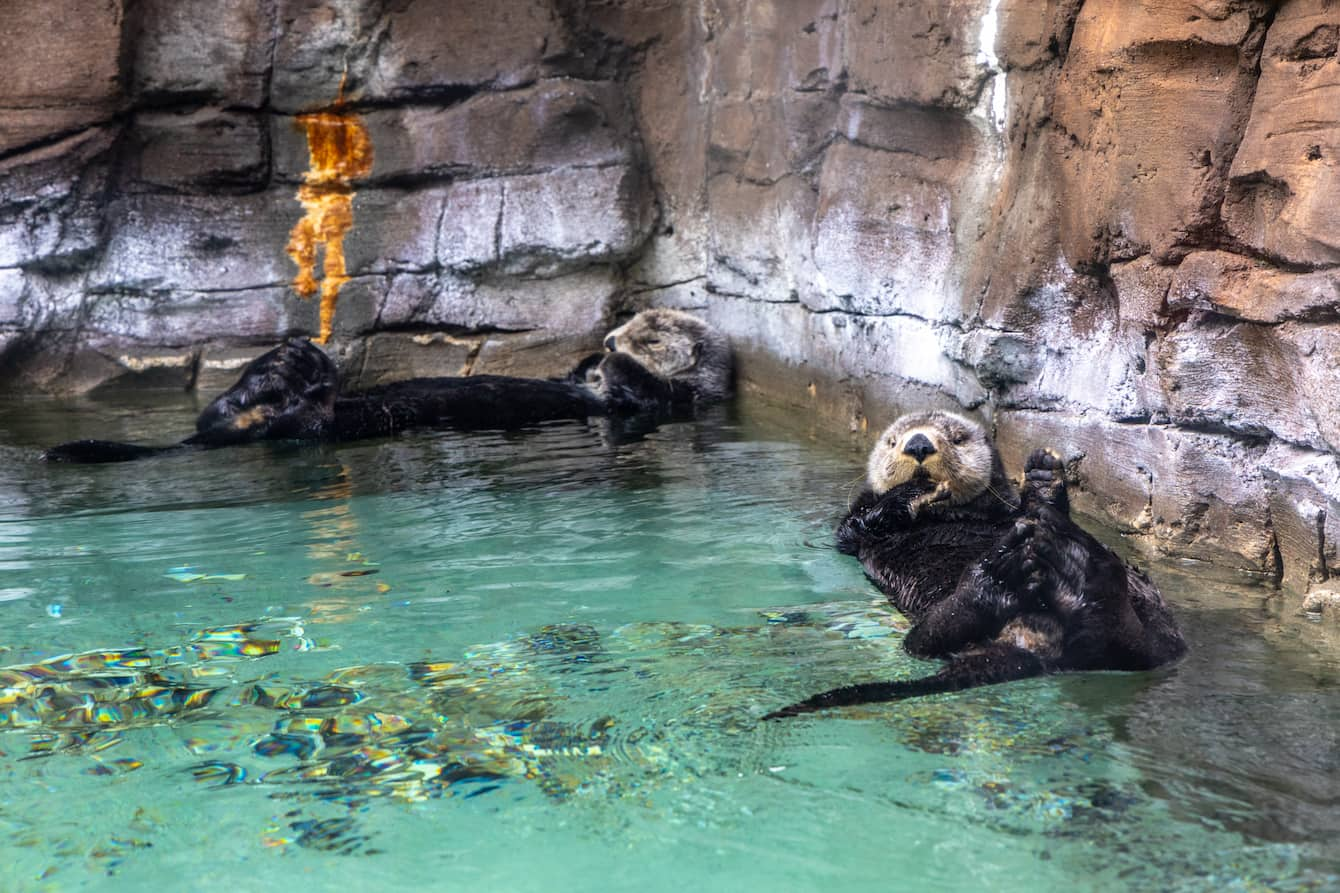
(665, 360)
(999, 581)
(679, 348)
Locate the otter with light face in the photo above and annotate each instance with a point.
(998, 580)
(660, 362)
(949, 453)
(681, 349)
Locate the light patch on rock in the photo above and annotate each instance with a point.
(144, 363)
(986, 54)
(1323, 601)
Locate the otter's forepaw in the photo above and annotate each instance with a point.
(883, 514)
(1044, 482)
(1043, 460)
(941, 493)
(917, 642)
(1014, 560)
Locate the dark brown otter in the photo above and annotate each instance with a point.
(666, 361)
(1001, 583)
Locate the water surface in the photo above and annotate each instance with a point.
(535, 661)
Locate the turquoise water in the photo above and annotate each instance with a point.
(536, 662)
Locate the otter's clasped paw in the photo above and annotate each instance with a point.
(1044, 482)
(941, 493)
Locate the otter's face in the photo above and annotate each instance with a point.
(939, 447)
(288, 392)
(668, 342)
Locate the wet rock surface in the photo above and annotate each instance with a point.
(1108, 227)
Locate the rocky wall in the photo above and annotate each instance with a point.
(1109, 226)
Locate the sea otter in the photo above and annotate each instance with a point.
(659, 362)
(1001, 582)
(679, 348)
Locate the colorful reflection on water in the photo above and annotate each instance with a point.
(538, 660)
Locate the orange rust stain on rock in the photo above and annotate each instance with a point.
(341, 152)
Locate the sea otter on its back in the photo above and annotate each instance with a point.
(658, 363)
(1005, 586)
(937, 499)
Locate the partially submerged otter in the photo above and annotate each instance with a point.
(1001, 582)
(658, 362)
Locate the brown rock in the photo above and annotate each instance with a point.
(554, 124)
(62, 70)
(395, 356)
(320, 46)
(533, 354)
(1257, 381)
(766, 50)
(1252, 290)
(667, 92)
(204, 152)
(52, 202)
(1194, 495)
(1304, 502)
(759, 237)
(203, 50)
(1033, 32)
(195, 243)
(424, 48)
(571, 218)
(888, 247)
(1285, 195)
(1130, 183)
(920, 53)
(765, 141)
(467, 238)
(1142, 291)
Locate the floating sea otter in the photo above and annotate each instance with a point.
(1002, 583)
(659, 361)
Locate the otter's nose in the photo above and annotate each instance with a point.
(919, 446)
(609, 342)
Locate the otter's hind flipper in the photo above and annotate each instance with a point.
(93, 452)
(989, 664)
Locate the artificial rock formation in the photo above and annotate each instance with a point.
(1107, 226)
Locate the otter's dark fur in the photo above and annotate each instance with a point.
(664, 361)
(1004, 585)
(679, 348)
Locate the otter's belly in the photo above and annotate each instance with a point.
(918, 568)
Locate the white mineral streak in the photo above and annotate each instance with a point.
(987, 56)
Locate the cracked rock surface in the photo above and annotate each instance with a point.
(1107, 226)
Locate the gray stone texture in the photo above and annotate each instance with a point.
(63, 68)
(1103, 226)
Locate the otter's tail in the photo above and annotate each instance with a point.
(989, 664)
(91, 452)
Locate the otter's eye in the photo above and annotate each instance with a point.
(959, 439)
(652, 340)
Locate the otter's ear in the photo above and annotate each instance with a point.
(696, 353)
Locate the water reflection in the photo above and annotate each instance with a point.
(436, 647)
